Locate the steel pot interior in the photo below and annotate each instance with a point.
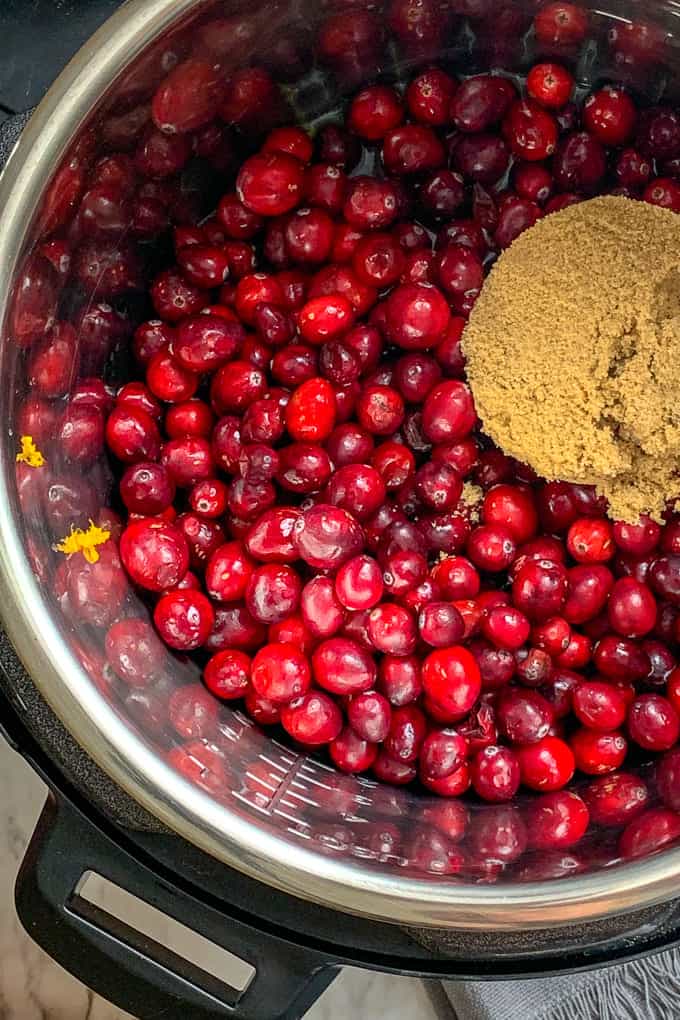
(284, 817)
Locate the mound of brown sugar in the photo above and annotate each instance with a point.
(573, 351)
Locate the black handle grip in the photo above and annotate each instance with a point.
(131, 970)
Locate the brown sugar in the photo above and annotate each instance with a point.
(573, 351)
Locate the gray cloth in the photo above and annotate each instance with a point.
(647, 989)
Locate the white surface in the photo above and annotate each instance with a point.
(33, 987)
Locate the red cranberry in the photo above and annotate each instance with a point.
(406, 734)
(273, 592)
(525, 717)
(184, 618)
(350, 753)
(620, 659)
(154, 553)
(496, 666)
(609, 114)
(561, 24)
(556, 820)
(227, 674)
(539, 589)
(550, 85)
(495, 774)
(280, 673)
(313, 719)
(649, 832)
(480, 102)
(270, 184)
(399, 678)
(597, 753)
(321, 611)
(452, 680)
(546, 765)
(653, 723)
(580, 163)
(631, 608)
(147, 488)
(616, 799)
(369, 715)
(530, 131)
(491, 548)
(598, 705)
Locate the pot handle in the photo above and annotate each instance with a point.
(131, 970)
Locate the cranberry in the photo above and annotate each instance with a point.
(653, 723)
(154, 553)
(227, 674)
(491, 548)
(147, 488)
(399, 678)
(533, 182)
(550, 85)
(664, 192)
(556, 820)
(620, 659)
(561, 24)
(313, 719)
(496, 665)
(631, 608)
(546, 765)
(597, 753)
(452, 680)
(530, 131)
(406, 734)
(184, 618)
(369, 715)
(495, 774)
(609, 114)
(480, 102)
(392, 629)
(416, 316)
(580, 163)
(191, 418)
(270, 184)
(616, 799)
(280, 673)
(649, 832)
(350, 753)
(599, 706)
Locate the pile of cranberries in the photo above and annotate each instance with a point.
(310, 509)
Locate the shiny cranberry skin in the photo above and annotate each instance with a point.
(531, 132)
(525, 717)
(343, 667)
(609, 115)
(441, 753)
(235, 386)
(399, 679)
(227, 674)
(310, 413)
(452, 680)
(263, 711)
(312, 720)
(599, 706)
(407, 732)
(392, 629)
(631, 608)
(303, 467)
(369, 714)
(513, 508)
(649, 832)
(184, 619)
(491, 548)
(496, 666)
(506, 627)
(440, 624)
(228, 572)
(235, 628)
(270, 183)
(580, 163)
(653, 723)
(320, 608)
(327, 536)
(664, 192)
(664, 578)
(324, 318)
(429, 95)
(280, 673)
(273, 592)
(587, 592)
(597, 753)
(204, 342)
(556, 820)
(412, 148)
(546, 765)
(370, 204)
(417, 316)
(359, 583)
(480, 102)
(147, 488)
(550, 85)
(448, 412)
(539, 589)
(154, 553)
(495, 774)
(615, 800)
(374, 111)
(591, 540)
(533, 182)
(619, 658)
(132, 435)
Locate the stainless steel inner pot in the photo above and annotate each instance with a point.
(284, 818)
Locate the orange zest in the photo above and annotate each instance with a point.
(85, 542)
(29, 453)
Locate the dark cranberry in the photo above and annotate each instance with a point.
(399, 678)
(480, 102)
(539, 589)
(533, 182)
(369, 714)
(664, 192)
(664, 578)
(408, 729)
(413, 148)
(350, 753)
(370, 204)
(273, 592)
(496, 666)
(525, 717)
(619, 658)
(653, 723)
(481, 157)
(561, 24)
(631, 608)
(495, 774)
(440, 624)
(147, 488)
(649, 832)
(442, 752)
(491, 548)
(580, 163)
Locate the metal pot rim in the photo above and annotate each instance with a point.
(104, 735)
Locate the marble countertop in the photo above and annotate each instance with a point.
(33, 987)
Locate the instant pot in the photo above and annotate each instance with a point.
(275, 856)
